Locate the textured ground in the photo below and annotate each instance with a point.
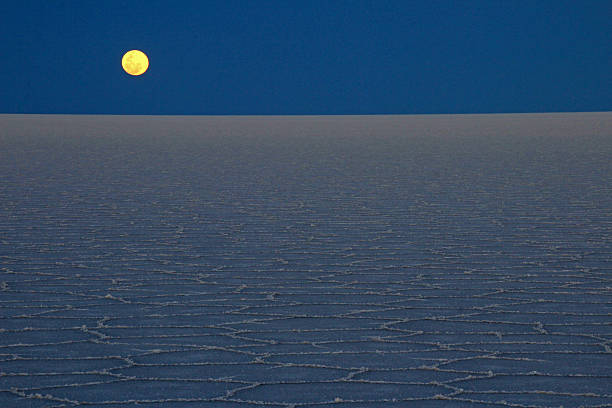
(306, 262)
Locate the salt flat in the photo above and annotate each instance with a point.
(331, 261)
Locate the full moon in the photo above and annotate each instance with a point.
(135, 62)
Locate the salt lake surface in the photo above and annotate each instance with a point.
(311, 262)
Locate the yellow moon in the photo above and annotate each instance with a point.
(135, 62)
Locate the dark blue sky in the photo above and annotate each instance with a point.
(306, 57)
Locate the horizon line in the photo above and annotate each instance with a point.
(308, 115)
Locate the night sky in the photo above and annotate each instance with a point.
(223, 57)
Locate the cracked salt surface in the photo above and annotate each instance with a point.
(234, 262)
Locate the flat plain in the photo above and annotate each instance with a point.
(311, 262)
